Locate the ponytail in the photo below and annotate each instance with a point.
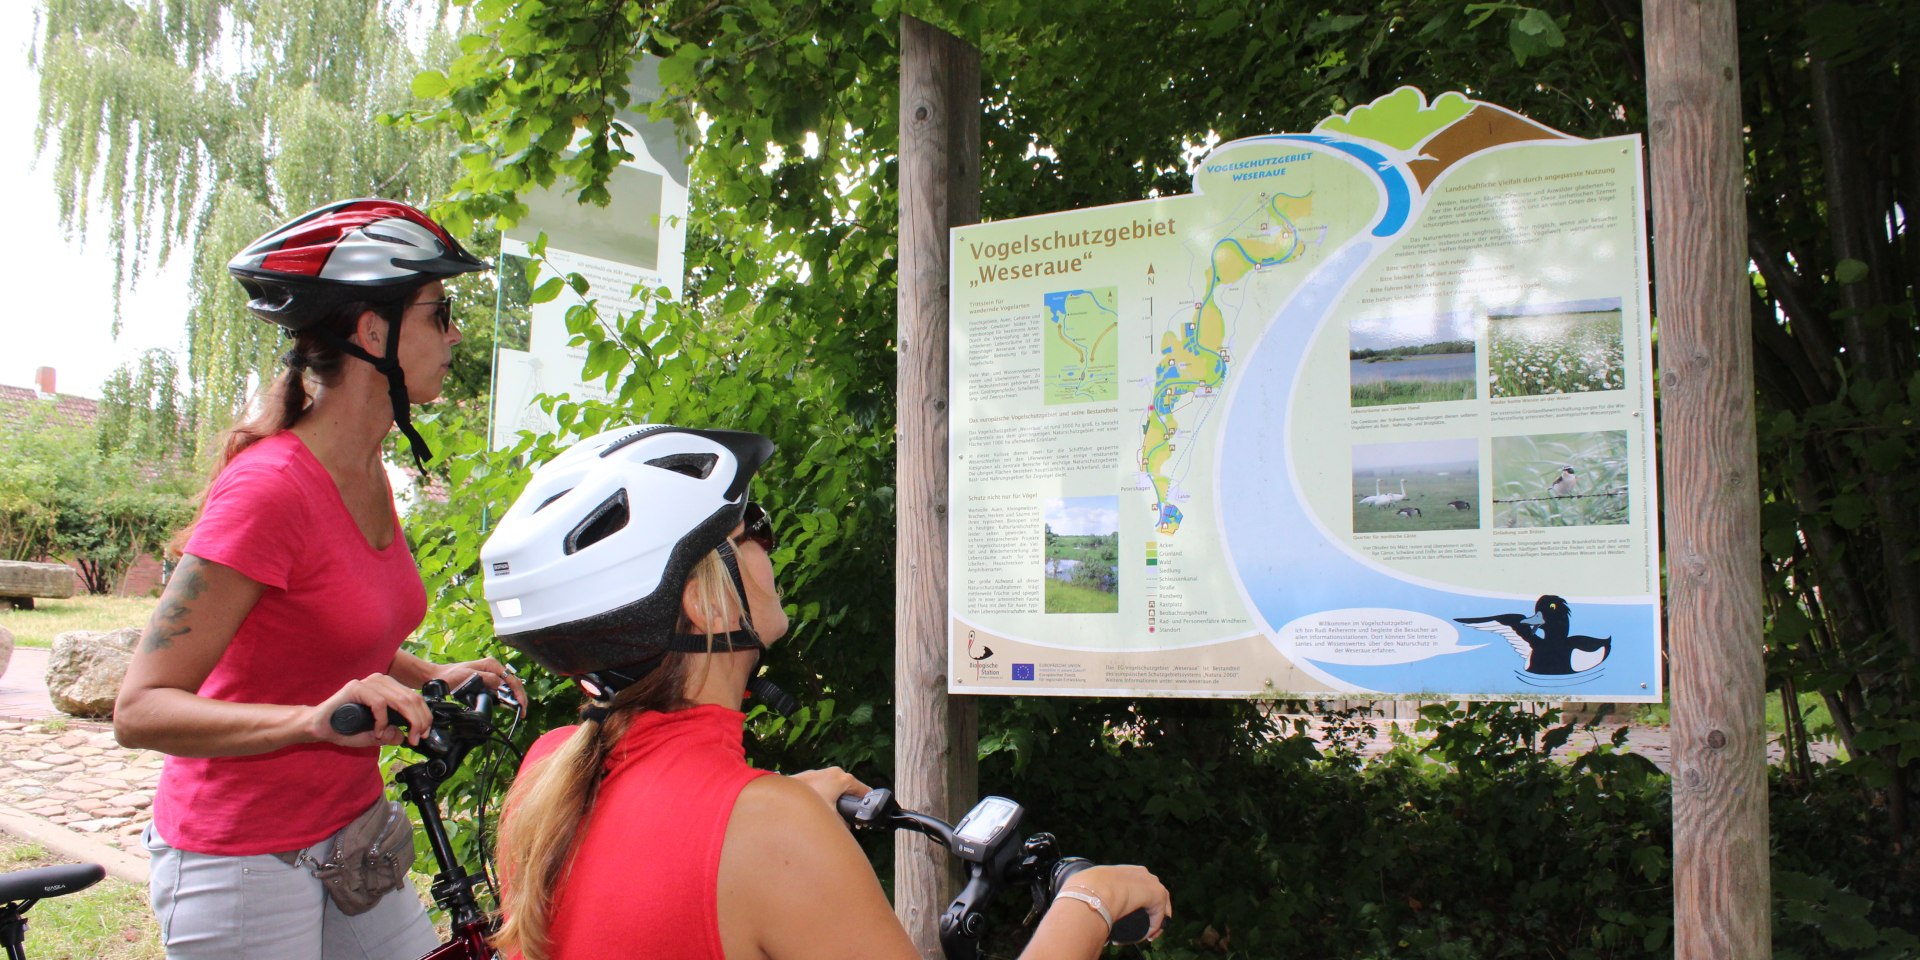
(549, 804)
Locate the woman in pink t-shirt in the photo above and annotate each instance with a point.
(294, 592)
(634, 564)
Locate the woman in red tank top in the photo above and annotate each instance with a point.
(634, 564)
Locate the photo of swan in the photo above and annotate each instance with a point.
(1422, 485)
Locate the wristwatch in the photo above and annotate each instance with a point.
(1089, 898)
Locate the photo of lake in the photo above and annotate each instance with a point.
(1417, 359)
(1083, 555)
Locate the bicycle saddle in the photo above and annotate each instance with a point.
(43, 882)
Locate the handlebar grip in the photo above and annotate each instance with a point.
(865, 811)
(1131, 928)
(351, 718)
(849, 807)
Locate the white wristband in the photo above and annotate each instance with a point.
(1090, 899)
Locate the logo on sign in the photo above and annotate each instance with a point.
(1023, 671)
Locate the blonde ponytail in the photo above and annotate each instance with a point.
(552, 799)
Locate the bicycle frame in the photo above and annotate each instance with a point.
(457, 729)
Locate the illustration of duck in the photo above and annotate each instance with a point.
(1543, 640)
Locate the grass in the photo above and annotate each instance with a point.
(1813, 710)
(1383, 392)
(108, 921)
(1064, 597)
(51, 618)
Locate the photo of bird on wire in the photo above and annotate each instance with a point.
(1561, 480)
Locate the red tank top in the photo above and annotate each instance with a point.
(646, 869)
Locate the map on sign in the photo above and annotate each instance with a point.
(1368, 412)
(1081, 346)
(1194, 359)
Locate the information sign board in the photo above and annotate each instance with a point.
(1367, 413)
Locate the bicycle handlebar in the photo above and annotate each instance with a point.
(985, 840)
(351, 718)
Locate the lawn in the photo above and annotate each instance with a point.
(108, 921)
(51, 618)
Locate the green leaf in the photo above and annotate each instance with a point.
(429, 85)
(1534, 34)
(547, 290)
(1849, 271)
(1850, 510)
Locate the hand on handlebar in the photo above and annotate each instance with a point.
(491, 672)
(832, 783)
(380, 693)
(1123, 889)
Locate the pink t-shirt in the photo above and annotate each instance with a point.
(335, 609)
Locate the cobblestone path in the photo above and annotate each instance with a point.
(70, 772)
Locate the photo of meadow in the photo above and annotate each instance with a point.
(1560, 479)
(1083, 555)
(1424, 485)
(1575, 347)
(1419, 359)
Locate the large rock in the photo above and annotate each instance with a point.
(86, 667)
(6, 649)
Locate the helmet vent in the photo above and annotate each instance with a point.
(548, 501)
(696, 465)
(606, 519)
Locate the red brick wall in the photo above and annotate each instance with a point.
(142, 579)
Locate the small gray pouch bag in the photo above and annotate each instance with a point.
(366, 860)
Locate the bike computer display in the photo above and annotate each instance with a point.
(985, 828)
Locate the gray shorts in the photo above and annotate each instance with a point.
(231, 908)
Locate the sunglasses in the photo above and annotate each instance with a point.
(442, 312)
(757, 527)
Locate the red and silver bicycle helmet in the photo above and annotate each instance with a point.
(369, 250)
(585, 571)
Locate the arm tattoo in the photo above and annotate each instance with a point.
(167, 621)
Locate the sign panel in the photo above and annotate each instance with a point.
(637, 240)
(1368, 413)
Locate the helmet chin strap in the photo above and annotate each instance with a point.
(389, 365)
(602, 685)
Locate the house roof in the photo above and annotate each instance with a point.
(20, 404)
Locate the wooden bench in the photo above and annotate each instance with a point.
(21, 582)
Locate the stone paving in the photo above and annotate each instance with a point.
(70, 772)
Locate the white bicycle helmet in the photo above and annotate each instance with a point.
(585, 572)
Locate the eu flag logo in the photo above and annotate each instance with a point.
(1023, 671)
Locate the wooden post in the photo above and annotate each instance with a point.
(936, 760)
(1721, 888)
